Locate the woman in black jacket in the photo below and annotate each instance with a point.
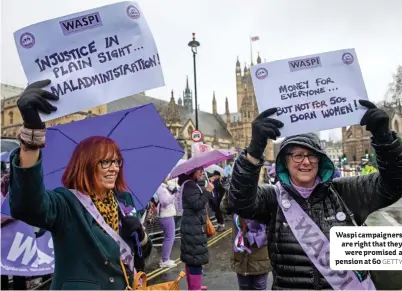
(194, 248)
(216, 198)
(302, 207)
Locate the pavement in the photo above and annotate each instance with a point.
(218, 275)
(390, 216)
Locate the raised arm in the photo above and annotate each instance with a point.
(29, 201)
(246, 198)
(366, 194)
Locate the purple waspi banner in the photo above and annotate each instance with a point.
(22, 254)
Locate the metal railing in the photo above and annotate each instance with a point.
(155, 233)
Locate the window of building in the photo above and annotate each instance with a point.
(11, 117)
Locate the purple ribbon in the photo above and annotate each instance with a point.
(256, 233)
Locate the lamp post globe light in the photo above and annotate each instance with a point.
(194, 44)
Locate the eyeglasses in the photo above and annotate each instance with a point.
(298, 158)
(105, 164)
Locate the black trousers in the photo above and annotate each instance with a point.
(214, 203)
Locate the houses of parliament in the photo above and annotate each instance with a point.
(228, 130)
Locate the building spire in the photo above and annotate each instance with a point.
(214, 109)
(188, 97)
(227, 113)
(173, 115)
(238, 66)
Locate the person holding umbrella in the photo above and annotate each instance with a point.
(194, 247)
(306, 202)
(94, 241)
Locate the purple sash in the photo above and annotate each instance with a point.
(316, 245)
(125, 251)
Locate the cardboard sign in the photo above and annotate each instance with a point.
(92, 57)
(312, 93)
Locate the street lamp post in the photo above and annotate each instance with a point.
(194, 44)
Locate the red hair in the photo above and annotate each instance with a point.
(81, 171)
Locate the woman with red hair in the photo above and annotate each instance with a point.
(95, 239)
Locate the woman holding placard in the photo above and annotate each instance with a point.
(302, 207)
(95, 239)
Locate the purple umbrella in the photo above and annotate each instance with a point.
(203, 160)
(149, 149)
(5, 156)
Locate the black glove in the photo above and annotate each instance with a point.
(40, 232)
(131, 224)
(263, 128)
(376, 121)
(32, 100)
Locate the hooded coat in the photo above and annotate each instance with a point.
(292, 269)
(166, 199)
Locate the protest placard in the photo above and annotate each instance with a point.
(312, 93)
(199, 147)
(92, 57)
(24, 254)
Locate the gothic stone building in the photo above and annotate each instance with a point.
(356, 140)
(239, 123)
(11, 119)
(180, 119)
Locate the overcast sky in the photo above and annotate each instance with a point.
(286, 29)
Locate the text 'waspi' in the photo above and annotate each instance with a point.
(307, 63)
(80, 23)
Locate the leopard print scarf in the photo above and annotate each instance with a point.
(108, 208)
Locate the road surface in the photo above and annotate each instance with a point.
(217, 274)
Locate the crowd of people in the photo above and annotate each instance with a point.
(100, 242)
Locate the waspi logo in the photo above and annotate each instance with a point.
(80, 23)
(302, 64)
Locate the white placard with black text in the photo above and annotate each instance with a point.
(312, 93)
(92, 57)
